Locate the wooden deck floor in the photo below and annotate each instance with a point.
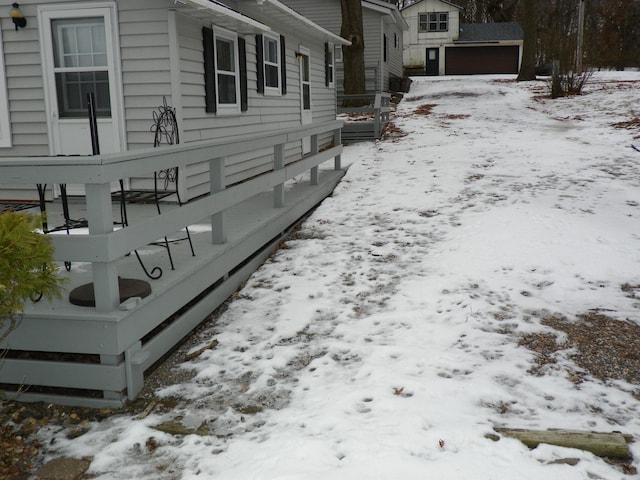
(105, 362)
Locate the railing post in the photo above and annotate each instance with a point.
(314, 151)
(337, 140)
(105, 275)
(278, 164)
(376, 115)
(217, 183)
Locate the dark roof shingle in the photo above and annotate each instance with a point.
(490, 32)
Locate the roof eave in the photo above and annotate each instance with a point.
(303, 21)
(220, 15)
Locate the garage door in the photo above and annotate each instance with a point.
(474, 60)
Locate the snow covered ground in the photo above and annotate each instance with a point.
(381, 341)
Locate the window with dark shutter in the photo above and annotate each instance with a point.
(242, 59)
(222, 71)
(270, 64)
(328, 64)
(209, 71)
(283, 65)
(260, 63)
(385, 47)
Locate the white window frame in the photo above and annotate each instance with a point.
(5, 119)
(227, 108)
(269, 90)
(337, 54)
(423, 22)
(332, 64)
(433, 18)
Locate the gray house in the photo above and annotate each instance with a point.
(229, 68)
(259, 146)
(383, 32)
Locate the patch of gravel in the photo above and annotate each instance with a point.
(599, 346)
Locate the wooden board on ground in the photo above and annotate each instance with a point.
(613, 445)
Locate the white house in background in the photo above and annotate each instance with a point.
(383, 27)
(438, 44)
(229, 67)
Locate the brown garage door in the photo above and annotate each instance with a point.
(474, 60)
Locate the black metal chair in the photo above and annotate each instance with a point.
(165, 183)
(68, 223)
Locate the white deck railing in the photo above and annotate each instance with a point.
(378, 104)
(103, 245)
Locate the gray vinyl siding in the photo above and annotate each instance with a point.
(25, 88)
(25, 95)
(328, 14)
(372, 27)
(145, 74)
(144, 56)
(393, 66)
(264, 112)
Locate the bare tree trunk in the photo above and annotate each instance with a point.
(353, 56)
(528, 66)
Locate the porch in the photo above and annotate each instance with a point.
(367, 118)
(96, 356)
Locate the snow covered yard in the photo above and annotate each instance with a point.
(385, 338)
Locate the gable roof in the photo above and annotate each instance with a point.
(443, 1)
(387, 9)
(490, 32)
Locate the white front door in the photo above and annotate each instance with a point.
(80, 56)
(305, 93)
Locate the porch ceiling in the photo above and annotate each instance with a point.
(220, 15)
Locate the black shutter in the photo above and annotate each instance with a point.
(283, 65)
(327, 73)
(242, 60)
(384, 47)
(209, 70)
(260, 63)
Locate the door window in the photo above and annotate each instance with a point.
(80, 65)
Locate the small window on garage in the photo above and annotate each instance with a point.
(433, 22)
